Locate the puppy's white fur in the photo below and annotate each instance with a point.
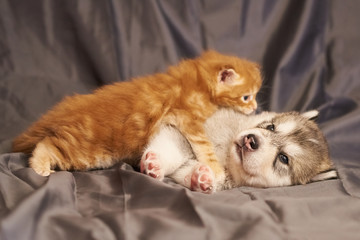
(260, 167)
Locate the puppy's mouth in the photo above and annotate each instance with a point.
(239, 149)
(245, 146)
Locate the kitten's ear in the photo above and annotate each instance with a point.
(311, 115)
(325, 175)
(228, 76)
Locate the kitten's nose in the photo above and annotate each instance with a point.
(251, 142)
(255, 106)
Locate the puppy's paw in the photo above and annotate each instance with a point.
(151, 166)
(202, 179)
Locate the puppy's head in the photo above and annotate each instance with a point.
(285, 149)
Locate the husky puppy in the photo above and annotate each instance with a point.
(265, 150)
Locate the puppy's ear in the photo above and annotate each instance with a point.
(311, 115)
(325, 175)
(228, 76)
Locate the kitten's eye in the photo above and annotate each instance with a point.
(270, 127)
(284, 159)
(246, 98)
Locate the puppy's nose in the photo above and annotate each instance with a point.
(251, 142)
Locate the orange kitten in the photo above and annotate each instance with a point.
(116, 121)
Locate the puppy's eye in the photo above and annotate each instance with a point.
(246, 98)
(284, 159)
(270, 127)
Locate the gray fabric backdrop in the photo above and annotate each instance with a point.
(310, 52)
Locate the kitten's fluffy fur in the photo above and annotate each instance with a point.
(116, 121)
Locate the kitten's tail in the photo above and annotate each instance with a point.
(26, 142)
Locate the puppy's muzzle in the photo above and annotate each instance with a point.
(250, 142)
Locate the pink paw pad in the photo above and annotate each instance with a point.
(150, 165)
(202, 179)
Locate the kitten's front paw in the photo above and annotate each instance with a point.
(203, 179)
(151, 166)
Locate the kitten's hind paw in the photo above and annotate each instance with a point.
(202, 179)
(151, 166)
(41, 166)
(43, 171)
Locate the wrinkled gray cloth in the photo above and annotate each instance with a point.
(310, 53)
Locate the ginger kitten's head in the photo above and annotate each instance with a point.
(233, 82)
